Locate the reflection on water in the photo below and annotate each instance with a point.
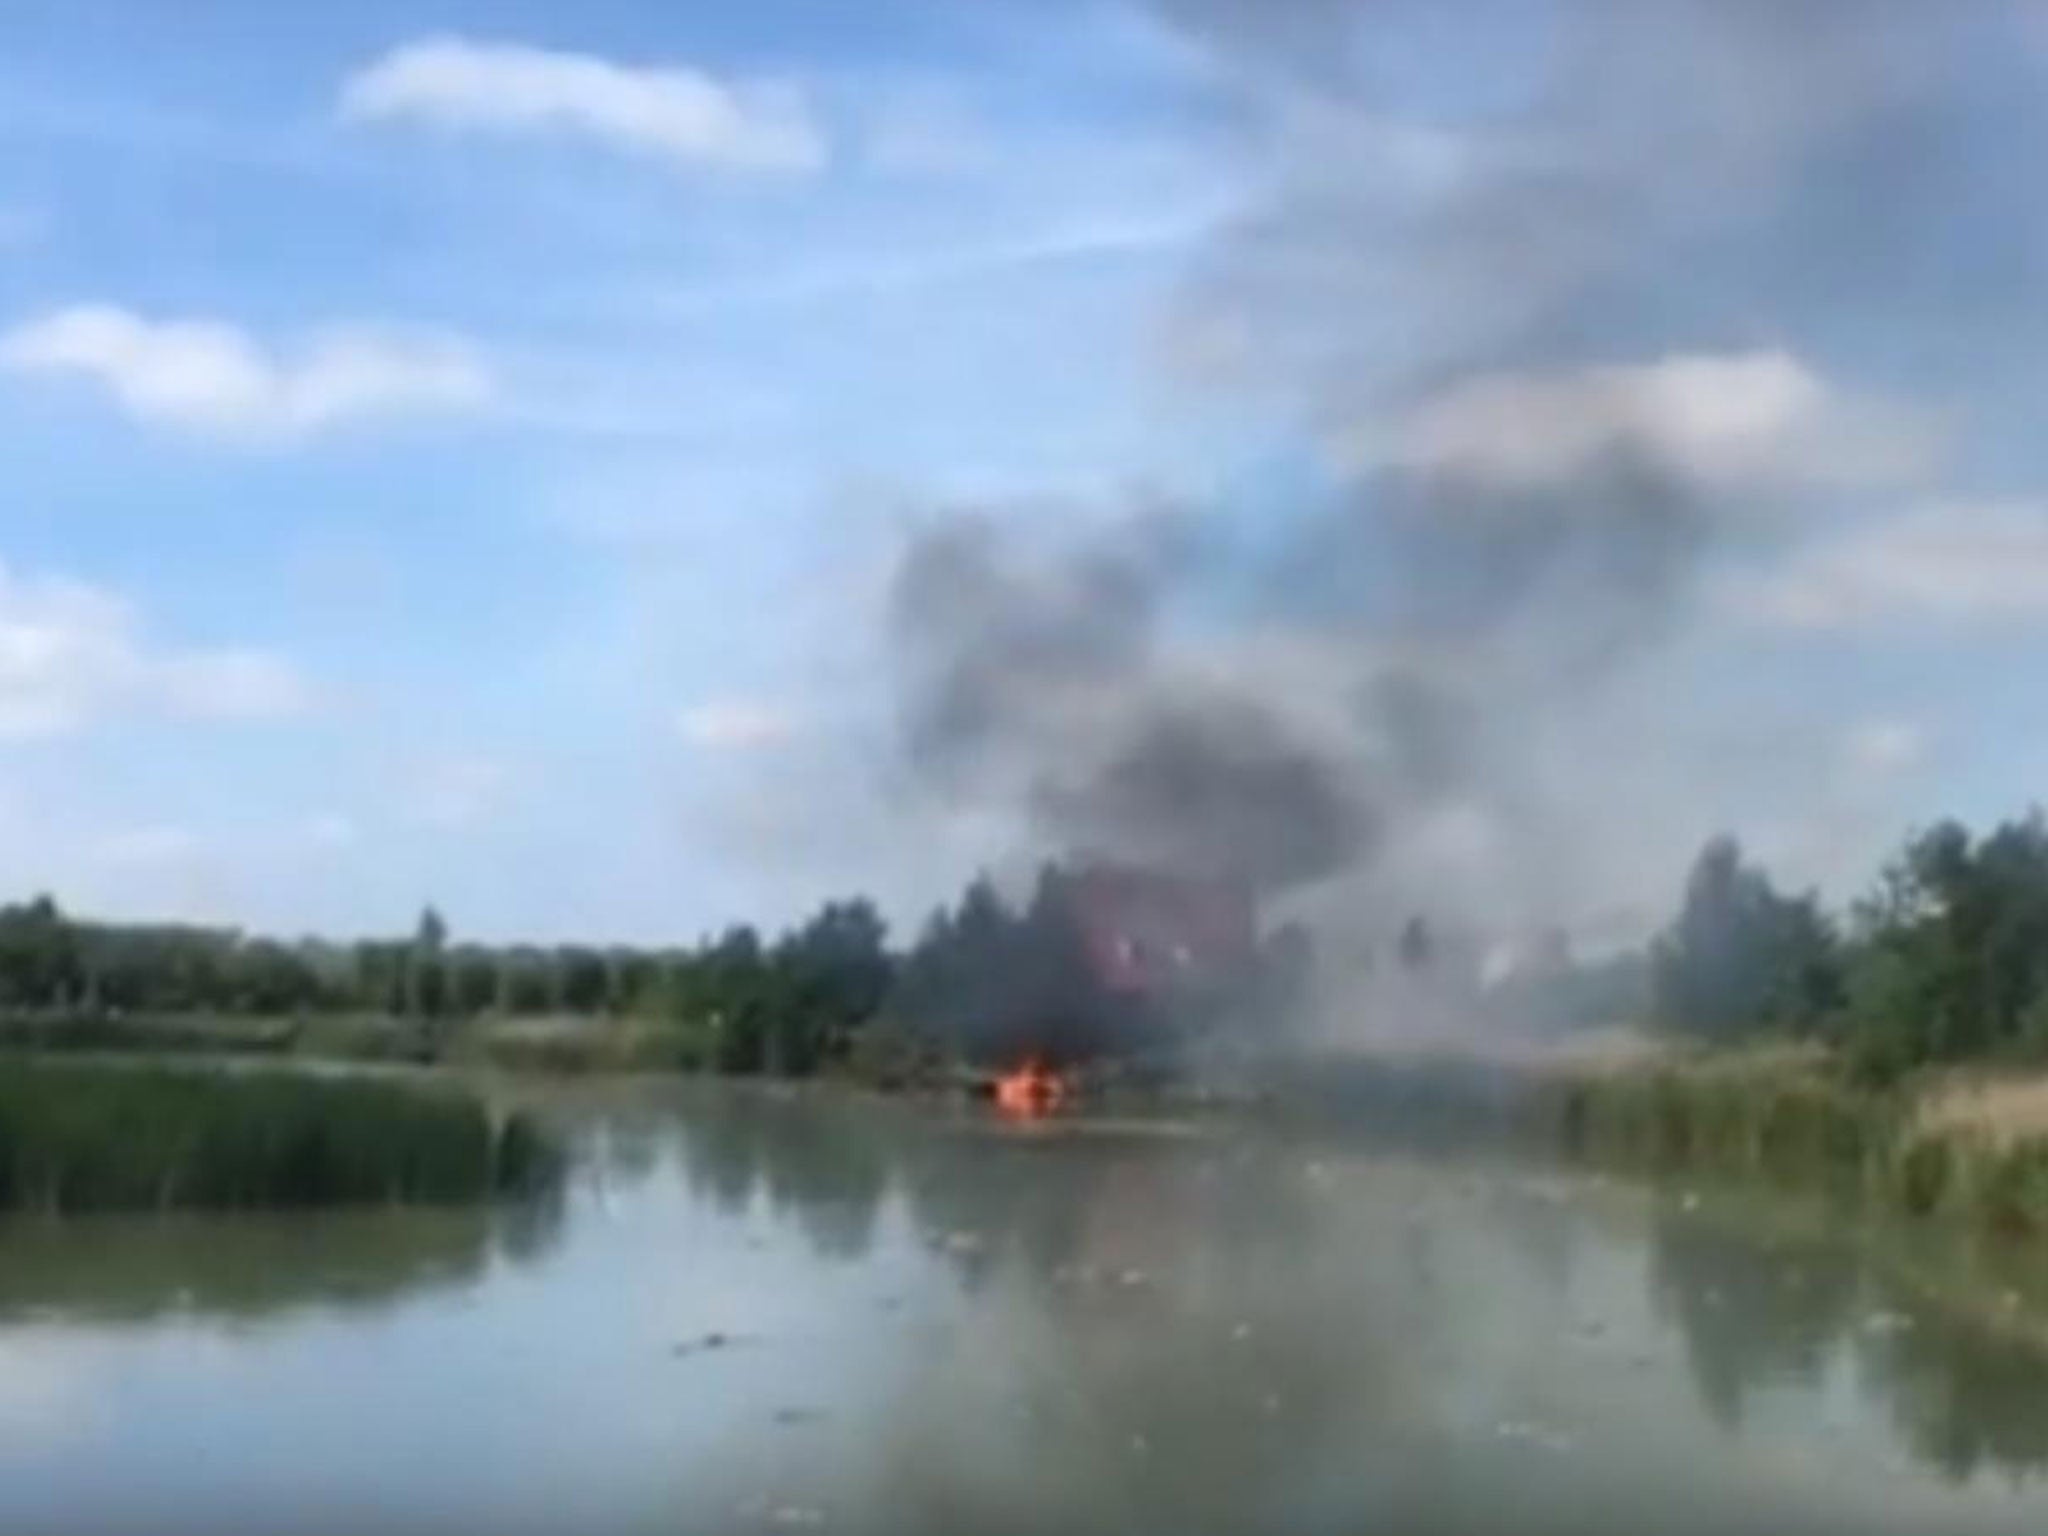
(1754, 1316)
(817, 1163)
(759, 1311)
(1964, 1397)
(124, 1270)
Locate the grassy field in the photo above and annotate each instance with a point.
(87, 1136)
(559, 1045)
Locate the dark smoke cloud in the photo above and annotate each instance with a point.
(1042, 674)
(1385, 638)
(1218, 788)
(994, 647)
(1610, 183)
(1572, 576)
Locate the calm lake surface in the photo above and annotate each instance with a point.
(762, 1313)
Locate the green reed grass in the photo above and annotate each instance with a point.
(1799, 1126)
(78, 1137)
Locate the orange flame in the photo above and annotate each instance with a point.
(1030, 1091)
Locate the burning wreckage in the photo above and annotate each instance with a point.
(1117, 972)
(1125, 967)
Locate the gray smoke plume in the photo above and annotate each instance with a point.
(1378, 653)
(1546, 317)
(1044, 676)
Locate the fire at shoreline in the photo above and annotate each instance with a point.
(1031, 1091)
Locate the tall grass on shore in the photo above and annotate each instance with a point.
(1804, 1124)
(78, 1137)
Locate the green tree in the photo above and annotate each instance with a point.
(583, 979)
(424, 983)
(270, 978)
(732, 982)
(39, 956)
(1951, 952)
(472, 980)
(1741, 957)
(823, 982)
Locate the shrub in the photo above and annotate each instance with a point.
(2013, 1193)
(1925, 1175)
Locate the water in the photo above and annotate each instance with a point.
(752, 1313)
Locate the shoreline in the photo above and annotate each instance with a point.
(1944, 1147)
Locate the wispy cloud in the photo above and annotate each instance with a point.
(72, 654)
(685, 116)
(1953, 563)
(232, 685)
(1105, 235)
(211, 377)
(736, 724)
(1718, 418)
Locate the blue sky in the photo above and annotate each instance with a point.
(503, 605)
(452, 450)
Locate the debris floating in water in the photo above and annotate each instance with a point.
(707, 1342)
(760, 1511)
(1529, 1432)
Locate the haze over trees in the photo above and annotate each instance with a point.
(1740, 956)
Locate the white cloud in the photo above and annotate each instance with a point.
(71, 653)
(232, 685)
(1130, 232)
(458, 792)
(1960, 562)
(208, 376)
(682, 115)
(736, 724)
(1719, 418)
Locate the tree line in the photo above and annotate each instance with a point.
(984, 980)
(1946, 959)
(737, 1001)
